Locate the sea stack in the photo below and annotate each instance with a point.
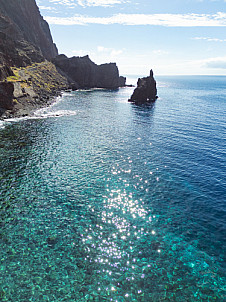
(146, 91)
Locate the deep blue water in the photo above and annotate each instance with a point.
(103, 200)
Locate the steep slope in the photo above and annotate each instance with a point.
(24, 35)
(27, 48)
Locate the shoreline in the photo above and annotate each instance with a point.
(27, 109)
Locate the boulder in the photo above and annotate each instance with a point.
(146, 90)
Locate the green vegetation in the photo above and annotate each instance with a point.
(13, 79)
(42, 78)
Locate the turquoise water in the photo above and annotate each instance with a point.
(102, 200)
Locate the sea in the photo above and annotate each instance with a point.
(104, 200)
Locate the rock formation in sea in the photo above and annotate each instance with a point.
(28, 76)
(83, 73)
(146, 91)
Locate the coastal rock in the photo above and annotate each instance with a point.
(28, 78)
(83, 73)
(6, 96)
(122, 81)
(146, 90)
(5, 71)
(30, 88)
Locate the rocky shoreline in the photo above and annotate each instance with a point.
(32, 73)
(29, 89)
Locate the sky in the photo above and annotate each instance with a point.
(172, 37)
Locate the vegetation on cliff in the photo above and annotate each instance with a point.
(28, 79)
(30, 87)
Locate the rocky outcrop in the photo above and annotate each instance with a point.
(30, 88)
(83, 73)
(146, 90)
(28, 78)
(122, 81)
(24, 34)
(5, 71)
(6, 96)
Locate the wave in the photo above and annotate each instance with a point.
(39, 114)
(45, 113)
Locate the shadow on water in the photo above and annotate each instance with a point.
(143, 113)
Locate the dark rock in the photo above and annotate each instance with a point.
(107, 76)
(24, 35)
(146, 91)
(5, 71)
(122, 81)
(6, 95)
(26, 51)
(83, 73)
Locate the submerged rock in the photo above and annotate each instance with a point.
(146, 90)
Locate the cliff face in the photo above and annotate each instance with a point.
(27, 77)
(24, 34)
(83, 73)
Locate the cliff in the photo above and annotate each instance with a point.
(28, 76)
(25, 36)
(83, 73)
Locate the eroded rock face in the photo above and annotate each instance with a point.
(146, 90)
(24, 34)
(6, 95)
(122, 81)
(5, 71)
(84, 73)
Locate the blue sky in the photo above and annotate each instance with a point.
(171, 37)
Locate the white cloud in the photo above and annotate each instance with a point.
(209, 39)
(110, 51)
(46, 7)
(214, 63)
(218, 62)
(104, 3)
(169, 20)
(69, 3)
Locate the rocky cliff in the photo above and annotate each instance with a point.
(30, 88)
(83, 73)
(28, 76)
(25, 36)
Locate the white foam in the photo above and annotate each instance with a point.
(42, 114)
(45, 113)
(2, 124)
